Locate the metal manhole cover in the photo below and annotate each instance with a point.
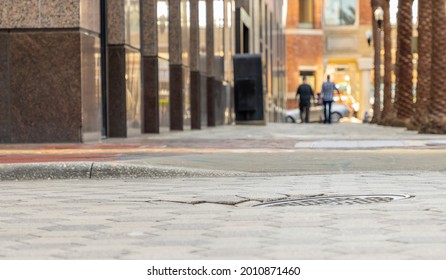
(335, 200)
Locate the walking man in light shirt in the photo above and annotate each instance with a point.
(328, 89)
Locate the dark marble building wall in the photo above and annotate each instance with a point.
(194, 58)
(49, 71)
(210, 108)
(176, 97)
(151, 94)
(5, 109)
(46, 98)
(150, 77)
(124, 68)
(195, 99)
(117, 102)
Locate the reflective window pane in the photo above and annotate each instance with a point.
(340, 12)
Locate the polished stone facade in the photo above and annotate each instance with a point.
(47, 95)
(64, 77)
(55, 99)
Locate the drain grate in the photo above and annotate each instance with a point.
(335, 200)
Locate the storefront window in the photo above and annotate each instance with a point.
(306, 14)
(340, 12)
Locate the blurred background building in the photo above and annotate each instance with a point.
(81, 70)
(330, 37)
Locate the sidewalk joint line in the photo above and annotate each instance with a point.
(91, 169)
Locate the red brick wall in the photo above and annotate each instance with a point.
(302, 50)
(365, 12)
(293, 14)
(318, 14)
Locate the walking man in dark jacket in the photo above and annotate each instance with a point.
(305, 93)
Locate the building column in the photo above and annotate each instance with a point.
(194, 53)
(176, 101)
(210, 62)
(365, 65)
(117, 103)
(49, 84)
(150, 65)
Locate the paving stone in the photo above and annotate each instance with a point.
(105, 220)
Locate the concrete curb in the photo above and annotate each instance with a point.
(94, 170)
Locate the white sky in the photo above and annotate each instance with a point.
(394, 9)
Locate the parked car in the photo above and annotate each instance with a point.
(338, 111)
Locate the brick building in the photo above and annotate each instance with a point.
(329, 37)
(80, 70)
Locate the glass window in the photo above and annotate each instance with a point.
(163, 28)
(340, 12)
(132, 31)
(306, 14)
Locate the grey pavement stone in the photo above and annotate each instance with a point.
(104, 220)
(79, 227)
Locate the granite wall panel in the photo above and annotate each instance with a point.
(195, 99)
(175, 35)
(45, 99)
(149, 28)
(176, 97)
(194, 37)
(117, 120)
(61, 14)
(150, 95)
(91, 88)
(5, 93)
(20, 14)
(185, 32)
(37, 14)
(210, 101)
(116, 21)
(4, 17)
(210, 38)
(204, 98)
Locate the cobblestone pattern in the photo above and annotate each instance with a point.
(201, 218)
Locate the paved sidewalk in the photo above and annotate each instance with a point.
(228, 150)
(190, 195)
(214, 219)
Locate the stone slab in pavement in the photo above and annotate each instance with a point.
(201, 218)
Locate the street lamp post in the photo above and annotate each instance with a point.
(379, 17)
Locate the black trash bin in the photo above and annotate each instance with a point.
(248, 89)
